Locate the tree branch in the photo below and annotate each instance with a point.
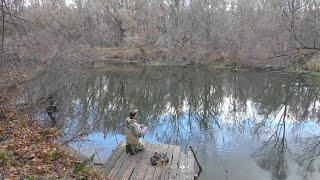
(2, 40)
(13, 21)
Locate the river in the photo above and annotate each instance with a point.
(244, 125)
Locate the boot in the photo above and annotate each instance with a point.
(130, 149)
(127, 148)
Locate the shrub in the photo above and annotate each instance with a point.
(314, 63)
(5, 158)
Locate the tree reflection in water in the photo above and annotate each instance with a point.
(192, 105)
(272, 155)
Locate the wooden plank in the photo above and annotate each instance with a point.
(113, 158)
(175, 160)
(121, 165)
(151, 169)
(145, 162)
(166, 171)
(190, 168)
(140, 160)
(118, 164)
(124, 166)
(132, 165)
(182, 171)
(159, 169)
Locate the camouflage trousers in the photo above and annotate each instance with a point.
(132, 149)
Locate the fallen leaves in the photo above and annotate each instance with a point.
(28, 151)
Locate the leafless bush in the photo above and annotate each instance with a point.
(255, 28)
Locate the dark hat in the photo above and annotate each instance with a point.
(133, 113)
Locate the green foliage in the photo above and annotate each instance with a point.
(27, 178)
(315, 73)
(84, 167)
(53, 153)
(3, 154)
(5, 158)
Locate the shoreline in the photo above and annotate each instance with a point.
(164, 63)
(291, 61)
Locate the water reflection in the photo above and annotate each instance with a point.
(245, 125)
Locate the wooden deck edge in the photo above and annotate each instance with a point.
(121, 165)
(110, 162)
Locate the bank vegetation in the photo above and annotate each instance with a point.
(280, 34)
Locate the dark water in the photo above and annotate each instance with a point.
(244, 125)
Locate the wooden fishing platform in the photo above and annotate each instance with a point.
(122, 165)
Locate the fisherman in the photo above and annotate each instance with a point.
(134, 132)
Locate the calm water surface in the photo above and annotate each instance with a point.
(243, 125)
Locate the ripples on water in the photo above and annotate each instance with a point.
(244, 125)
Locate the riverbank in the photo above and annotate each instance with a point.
(298, 60)
(29, 151)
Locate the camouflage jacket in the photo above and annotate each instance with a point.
(133, 132)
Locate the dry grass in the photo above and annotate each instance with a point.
(217, 56)
(253, 58)
(314, 63)
(135, 53)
